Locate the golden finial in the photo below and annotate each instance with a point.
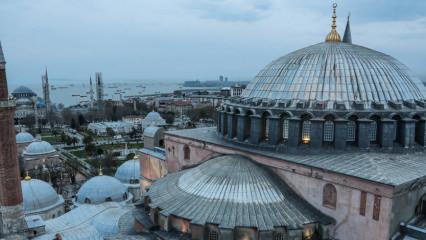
(333, 36)
(100, 171)
(27, 177)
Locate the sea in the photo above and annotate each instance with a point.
(73, 93)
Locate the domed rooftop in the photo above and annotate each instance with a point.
(336, 72)
(153, 119)
(128, 172)
(24, 137)
(39, 196)
(22, 90)
(39, 148)
(101, 189)
(232, 191)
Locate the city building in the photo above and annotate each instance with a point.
(119, 127)
(237, 90)
(38, 155)
(152, 157)
(28, 104)
(340, 128)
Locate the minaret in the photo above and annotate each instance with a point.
(92, 97)
(347, 37)
(11, 210)
(46, 90)
(99, 87)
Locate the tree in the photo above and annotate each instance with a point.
(87, 140)
(74, 141)
(73, 124)
(169, 117)
(81, 119)
(68, 141)
(90, 149)
(63, 137)
(110, 133)
(130, 156)
(29, 121)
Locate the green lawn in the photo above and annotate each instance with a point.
(79, 153)
(51, 138)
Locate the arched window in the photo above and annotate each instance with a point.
(398, 127)
(329, 196)
(328, 131)
(186, 152)
(374, 129)
(212, 235)
(108, 199)
(351, 131)
(285, 129)
(247, 125)
(306, 129)
(87, 200)
(265, 126)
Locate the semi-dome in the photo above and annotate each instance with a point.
(336, 72)
(232, 191)
(39, 196)
(102, 189)
(24, 137)
(22, 91)
(129, 172)
(39, 148)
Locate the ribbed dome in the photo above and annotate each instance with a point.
(39, 196)
(24, 102)
(100, 188)
(231, 191)
(39, 148)
(336, 72)
(24, 137)
(129, 170)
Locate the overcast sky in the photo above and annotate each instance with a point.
(191, 39)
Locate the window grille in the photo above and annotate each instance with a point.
(285, 129)
(373, 131)
(328, 131)
(306, 130)
(351, 131)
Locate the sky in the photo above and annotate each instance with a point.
(176, 40)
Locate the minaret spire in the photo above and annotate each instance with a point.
(347, 37)
(333, 36)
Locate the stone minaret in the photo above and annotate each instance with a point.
(92, 94)
(11, 210)
(99, 87)
(46, 90)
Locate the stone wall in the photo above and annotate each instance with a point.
(308, 182)
(151, 168)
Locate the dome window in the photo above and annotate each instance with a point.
(328, 134)
(351, 131)
(108, 199)
(87, 200)
(306, 132)
(213, 235)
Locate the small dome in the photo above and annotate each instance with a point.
(23, 91)
(151, 131)
(153, 119)
(39, 148)
(24, 137)
(128, 172)
(39, 195)
(40, 103)
(101, 189)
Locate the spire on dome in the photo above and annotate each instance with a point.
(347, 37)
(333, 36)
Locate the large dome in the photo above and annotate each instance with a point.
(39, 196)
(101, 189)
(231, 191)
(39, 148)
(129, 172)
(336, 72)
(23, 91)
(24, 137)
